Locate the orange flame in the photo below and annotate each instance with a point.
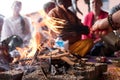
(35, 43)
(53, 23)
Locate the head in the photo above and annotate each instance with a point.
(16, 6)
(48, 6)
(95, 4)
(66, 3)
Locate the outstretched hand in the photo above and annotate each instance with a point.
(101, 27)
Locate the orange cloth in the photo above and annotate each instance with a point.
(81, 47)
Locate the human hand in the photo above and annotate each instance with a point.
(101, 27)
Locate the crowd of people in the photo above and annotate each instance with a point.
(83, 38)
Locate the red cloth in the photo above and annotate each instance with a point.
(89, 21)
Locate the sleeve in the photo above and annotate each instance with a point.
(6, 31)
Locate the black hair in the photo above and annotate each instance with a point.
(64, 2)
(48, 5)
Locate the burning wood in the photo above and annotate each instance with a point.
(33, 70)
(31, 64)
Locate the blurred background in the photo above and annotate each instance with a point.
(28, 6)
(31, 6)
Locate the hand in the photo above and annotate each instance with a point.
(101, 27)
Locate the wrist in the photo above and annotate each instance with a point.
(111, 22)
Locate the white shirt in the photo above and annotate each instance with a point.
(13, 27)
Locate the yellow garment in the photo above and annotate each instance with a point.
(81, 47)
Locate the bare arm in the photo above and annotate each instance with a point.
(103, 26)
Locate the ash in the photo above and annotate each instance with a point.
(47, 69)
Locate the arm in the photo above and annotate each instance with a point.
(116, 18)
(103, 26)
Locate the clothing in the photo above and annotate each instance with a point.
(13, 26)
(73, 30)
(89, 21)
(81, 47)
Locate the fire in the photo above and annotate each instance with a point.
(53, 23)
(35, 43)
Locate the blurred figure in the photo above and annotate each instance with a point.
(16, 31)
(17, 25)
(47, 7)
(117, 32)
(48, 41)
(72, 29)
(56, 12)
(95, 14)
(105, 27)
(43, 29)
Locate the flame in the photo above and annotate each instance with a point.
(53, 23)
(35, 43)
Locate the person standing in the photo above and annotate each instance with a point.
(17, 25)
